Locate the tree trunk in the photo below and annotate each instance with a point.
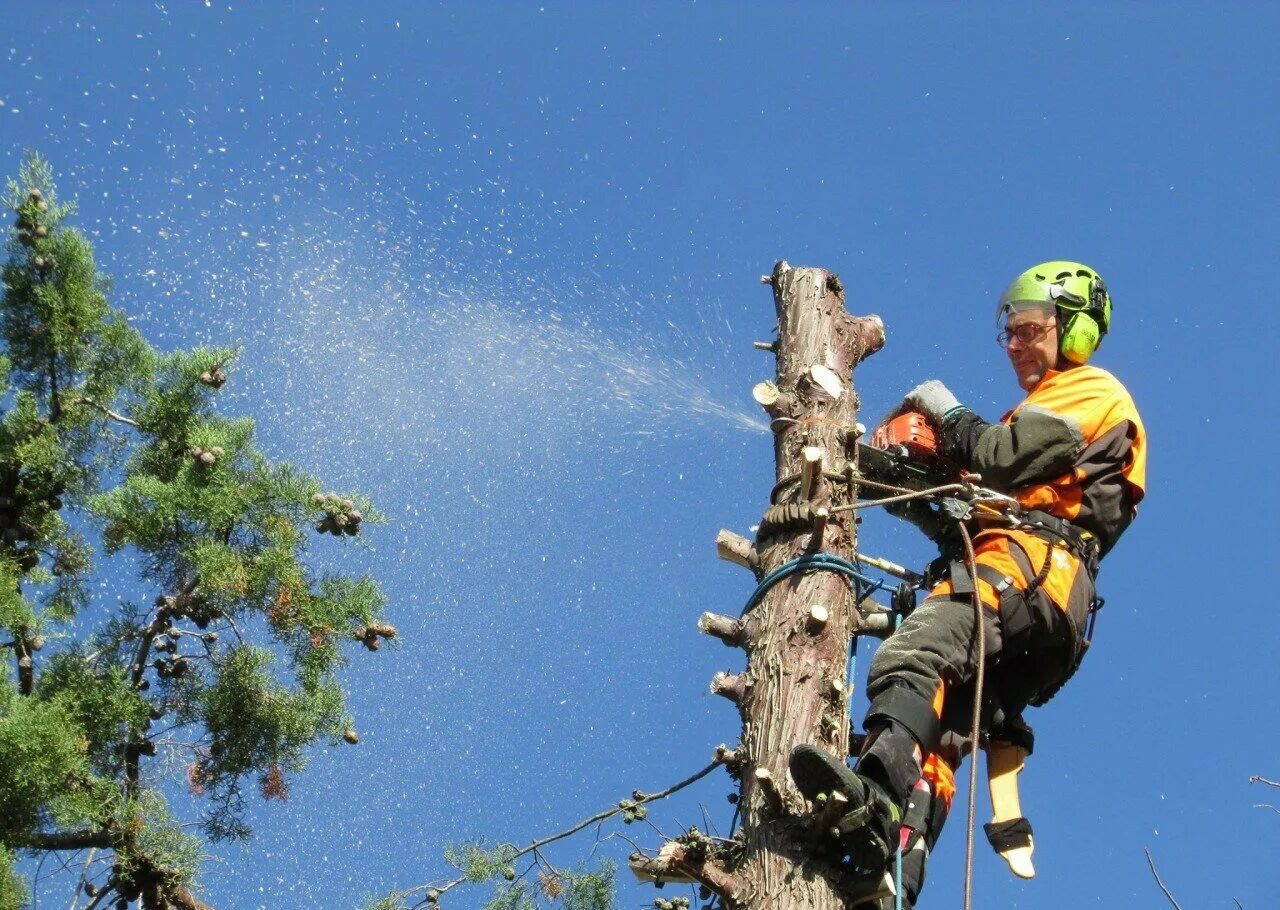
(797, 637)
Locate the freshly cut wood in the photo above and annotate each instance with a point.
(810, 469)
(818, 616)
(768, 788)
(729, 685)
(821, 515)
(876, 622)
(725, 628)
(827, 380)
(766, 394)
(736, 548)
(732, 758)
(662, 868)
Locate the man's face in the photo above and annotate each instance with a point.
(1032, 359)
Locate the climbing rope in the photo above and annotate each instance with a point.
(989, 502)
(863, 585)
(971, 563)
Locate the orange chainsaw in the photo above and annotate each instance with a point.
(905, 451)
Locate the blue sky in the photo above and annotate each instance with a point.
(498, 265)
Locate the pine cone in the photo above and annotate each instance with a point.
(207, 458)
(41, 231)
(351, 736)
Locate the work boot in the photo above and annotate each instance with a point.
(867, 832)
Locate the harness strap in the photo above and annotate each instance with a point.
(1015, 615)
(1084, 544)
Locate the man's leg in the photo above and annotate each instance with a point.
(931, 650)
(927, 811)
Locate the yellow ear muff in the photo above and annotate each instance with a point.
(1080, 337)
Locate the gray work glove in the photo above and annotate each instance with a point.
(933, 399)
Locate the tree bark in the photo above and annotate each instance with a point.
(797, 637)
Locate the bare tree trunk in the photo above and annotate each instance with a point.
(797, 636)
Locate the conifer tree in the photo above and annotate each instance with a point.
(218, 654)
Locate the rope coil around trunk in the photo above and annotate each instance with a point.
(863, 585)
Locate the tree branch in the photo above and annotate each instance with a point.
(1159, 881)
(640, 799)
(117, 417)
(72, 840)
(673, 867)
(1262, 780)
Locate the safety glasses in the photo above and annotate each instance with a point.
(1026, 334)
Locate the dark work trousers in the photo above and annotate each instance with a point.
(934, 652)
(935, 649)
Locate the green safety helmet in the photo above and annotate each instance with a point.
(1077, 295)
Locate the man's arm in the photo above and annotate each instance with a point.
(1037, 444)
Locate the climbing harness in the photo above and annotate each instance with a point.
(959, 502)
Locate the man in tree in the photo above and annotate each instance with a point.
(1073, 454)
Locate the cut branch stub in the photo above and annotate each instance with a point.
(810, 470)
(821, 515)
(736, 548)
(825, 378)
(776, 402)
(725, 628)
(876, 622)
(674, 864)
(862, 336)
(817, 620)
(766, 394)
(768, 788)
(730, 758)
(732, 686)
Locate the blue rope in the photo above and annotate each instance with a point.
(863, 585)
(897, 878)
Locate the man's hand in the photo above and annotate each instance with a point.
(933, 399)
